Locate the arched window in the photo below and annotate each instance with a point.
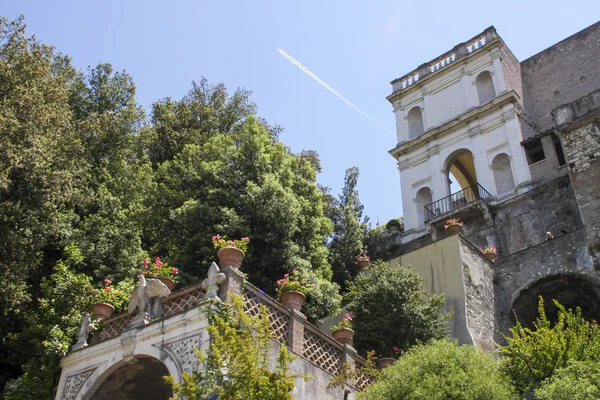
(503, 177)
(485, 87)
(423, 198)
(415, 122)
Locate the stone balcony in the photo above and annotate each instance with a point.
(170, 340)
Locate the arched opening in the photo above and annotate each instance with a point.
(415, 122)
(485, 87)
(460, 169)
(503, 176)
(142, 380)
(423, 198)
(571, 291)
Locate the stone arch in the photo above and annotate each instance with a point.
(485, 87)
(460, 165)
(138, 380)
(415, 122)
(422, 198)
(570, 290)
(503, 176)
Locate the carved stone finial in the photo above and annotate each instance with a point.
(84, 330)
(211, 283)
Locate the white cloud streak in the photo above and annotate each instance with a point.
(332, 90)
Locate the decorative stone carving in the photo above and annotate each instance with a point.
(211, 283)
(74, 382)
(128, 342)
(84, 331)
(183, 353)
(147, 296)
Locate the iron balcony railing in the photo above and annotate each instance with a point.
(456, 200)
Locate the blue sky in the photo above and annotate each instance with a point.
(356, 47)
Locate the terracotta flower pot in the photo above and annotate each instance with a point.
(452, 229)
(102, 310)
(491, 256)
(168, 282)
(292, 300)
(362, 265)
(230, 255)
(344, 335)
(384, 362)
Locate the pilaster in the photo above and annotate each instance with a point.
(233, 285)
(296, 332)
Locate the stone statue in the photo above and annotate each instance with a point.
(147, 296)
(87, 326)
(214, 278)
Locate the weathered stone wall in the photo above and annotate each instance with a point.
(512, 70)
(561, 74)
(566, 255)
(478, 277)
(579, 126)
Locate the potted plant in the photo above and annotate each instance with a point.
(230, 252)
(292, 290)
(393, 225)
(388, 356)
(342, 331)
(490, 252)
(110, 299)
(163, 272)
(363, 261)
(103, 307)
(453, 225)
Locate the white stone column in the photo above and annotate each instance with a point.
(426, 109)
(498, 72)
(480, 159)
(467, 84)
(410, 220)
(401, 124)
(439, 179)
(514, 137)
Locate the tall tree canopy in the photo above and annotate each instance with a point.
(90, 186)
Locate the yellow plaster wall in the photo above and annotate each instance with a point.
(440, 265)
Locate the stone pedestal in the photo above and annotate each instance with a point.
(141, 319)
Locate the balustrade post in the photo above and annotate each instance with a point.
(233, 285)
(295, 338)
(349, 357)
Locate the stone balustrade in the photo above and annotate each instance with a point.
(289, 327)
(459, 51)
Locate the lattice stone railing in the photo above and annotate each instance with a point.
(322, 350)
(289, 327)
(460, 50)
(279, 316)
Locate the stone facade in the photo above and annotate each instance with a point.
(535, 156)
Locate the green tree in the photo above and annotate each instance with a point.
(579, 380)
(51, 328)
(391, 308)
(237, 368)
(235, 178)
(533, 355)
(442, 370)
(349, 230)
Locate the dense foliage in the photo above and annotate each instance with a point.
(580, 380)
(237, 368)
(533, 355)
(392, 311)
(442, 370)
(349, 230)
(83, 171)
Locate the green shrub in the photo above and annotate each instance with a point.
(392, 309)
(533, 355)
(580, 380)
(442, 370)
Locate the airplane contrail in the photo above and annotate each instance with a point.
(332, 90)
